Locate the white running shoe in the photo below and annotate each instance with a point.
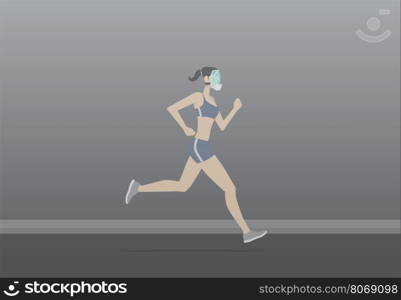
(132, 191)
(253, 235)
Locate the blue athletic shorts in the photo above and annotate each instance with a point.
(200, 150)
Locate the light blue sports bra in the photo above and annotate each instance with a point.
(207, 110)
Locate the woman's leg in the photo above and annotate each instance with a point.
(188, 176)
(216, 172)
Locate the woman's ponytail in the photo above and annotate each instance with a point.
(196, 75)
(204, 71)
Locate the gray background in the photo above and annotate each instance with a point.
(86, 83)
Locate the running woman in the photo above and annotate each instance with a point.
(201, 155)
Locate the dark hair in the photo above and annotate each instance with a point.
(205, 71)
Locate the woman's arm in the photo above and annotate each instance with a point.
(176, 107)
(223, 123)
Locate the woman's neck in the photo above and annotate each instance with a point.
(206, 90)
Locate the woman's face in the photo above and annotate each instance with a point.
(215, 80)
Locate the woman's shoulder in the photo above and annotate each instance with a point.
(212, 98)
(198, 97)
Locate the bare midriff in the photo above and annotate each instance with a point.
(204, 128)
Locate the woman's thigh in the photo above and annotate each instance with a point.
(215, 170)
(190, 172)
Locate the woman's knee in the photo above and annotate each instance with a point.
(230, 188)
(182, 187)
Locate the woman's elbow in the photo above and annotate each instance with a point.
(170, 109)
(222, 127)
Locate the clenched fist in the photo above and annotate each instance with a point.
(237, 104)
(189, 131)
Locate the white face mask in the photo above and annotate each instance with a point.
(215, 80)
(216, 87)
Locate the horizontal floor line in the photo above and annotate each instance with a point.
(197, 226)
